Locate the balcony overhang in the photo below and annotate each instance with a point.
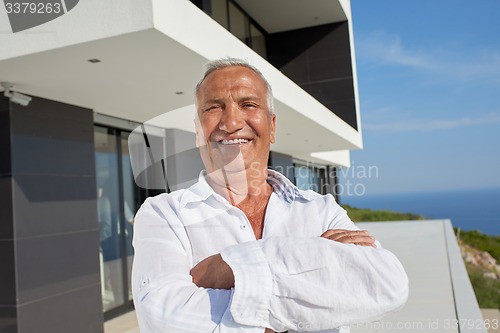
(151, 55)
(283, 15)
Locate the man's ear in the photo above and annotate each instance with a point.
(273, 129)
(200, 140)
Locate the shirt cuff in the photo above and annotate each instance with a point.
(253, 283)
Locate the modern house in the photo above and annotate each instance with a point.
(68, 189)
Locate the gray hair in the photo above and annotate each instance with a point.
(215, 65)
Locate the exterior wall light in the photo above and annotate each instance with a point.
(15, 97)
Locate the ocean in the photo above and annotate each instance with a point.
(477, 209)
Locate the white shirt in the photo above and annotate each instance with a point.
(291, 279)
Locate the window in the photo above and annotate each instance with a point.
(258, 40)
(309, 177)
(238, 23)
(118, 199)
(228, 14)
(219, 12)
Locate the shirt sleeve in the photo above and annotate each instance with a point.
(314, 284)
(165, 298)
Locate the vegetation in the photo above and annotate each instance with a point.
(368, 215)
(482, 242)
(487, 290)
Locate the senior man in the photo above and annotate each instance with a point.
(243, 249)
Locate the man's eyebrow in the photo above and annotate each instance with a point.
(213, 101)
(249, 98)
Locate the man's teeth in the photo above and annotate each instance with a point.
(233, 142)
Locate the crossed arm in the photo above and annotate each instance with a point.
(214, 272)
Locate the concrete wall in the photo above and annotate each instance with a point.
(49, 236)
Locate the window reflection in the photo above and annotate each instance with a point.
(228, 14)
(258, 40)
(309, 177)
(219, 12)
(118, 199)
(109, 218)
(238, 23)
(131, 202)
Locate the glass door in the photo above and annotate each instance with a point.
(133, 197)
(118, 201)
(108, 204)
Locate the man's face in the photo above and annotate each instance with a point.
(234, 127)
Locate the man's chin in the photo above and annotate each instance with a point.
(228, 158)
(233, 166)
(226, 152)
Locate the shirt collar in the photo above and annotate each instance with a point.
(281, 185)
(284, 188)
(199, 191)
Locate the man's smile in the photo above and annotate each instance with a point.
(234, 141)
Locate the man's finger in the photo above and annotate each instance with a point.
(330, 232)
(357, 237)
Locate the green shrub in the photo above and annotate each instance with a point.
(369, 215)
(482, 242)
(487, 290)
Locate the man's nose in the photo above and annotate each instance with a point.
(232, 119)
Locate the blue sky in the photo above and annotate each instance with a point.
(429, 86)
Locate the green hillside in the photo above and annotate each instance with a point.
(487, 289)
(482, 242)
(369, 215)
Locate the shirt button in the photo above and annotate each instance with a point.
(243, 227)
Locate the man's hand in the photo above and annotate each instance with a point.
(357, 237)
(213, 272)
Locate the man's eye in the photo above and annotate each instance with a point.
(212, 108)
(249, 105)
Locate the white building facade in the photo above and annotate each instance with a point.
(105, 69)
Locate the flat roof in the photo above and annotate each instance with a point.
(441, 295)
